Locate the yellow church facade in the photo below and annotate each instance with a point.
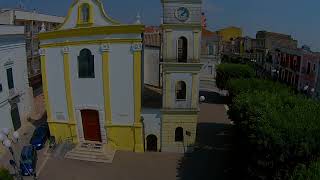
(91, 71)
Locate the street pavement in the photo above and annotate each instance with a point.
(212, 159)
(26, 131)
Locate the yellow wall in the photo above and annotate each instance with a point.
(171, 121)
(63, 131)
(230, 32)
(124, 137)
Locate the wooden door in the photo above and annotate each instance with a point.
(91, 125)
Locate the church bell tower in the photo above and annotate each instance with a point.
(181, 66)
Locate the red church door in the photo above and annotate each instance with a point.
(91, 125)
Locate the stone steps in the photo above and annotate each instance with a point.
(91, 152)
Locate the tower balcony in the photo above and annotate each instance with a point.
(175, 67)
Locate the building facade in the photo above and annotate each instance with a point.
(288, 65)
(230, 33)
(91, 68)
(152, 56)
(210, 57)
(266, 44)
(33, 23)
(309, 71)
(181, 67)
(15, 93)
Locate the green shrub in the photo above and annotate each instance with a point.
(237, 86)
(281, 131)
(304, 173)
(5, 174)
(225, 72)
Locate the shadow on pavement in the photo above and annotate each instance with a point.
(214, 97)
(214, 157)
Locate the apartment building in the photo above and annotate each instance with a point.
(288, 64)
(15, 93)
(309, 71)
(33, 22)
(210, 57)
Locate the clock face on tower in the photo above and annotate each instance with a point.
(182, 14)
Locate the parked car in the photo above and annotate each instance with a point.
(28, 160)
(40, 136)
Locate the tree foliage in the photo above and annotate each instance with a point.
(225, 72)
(280, 129)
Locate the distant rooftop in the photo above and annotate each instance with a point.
(11, 30)
(274, 34)
(22, 14)
(152, 36)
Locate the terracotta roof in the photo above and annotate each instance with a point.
(207, 33)
(152, 36)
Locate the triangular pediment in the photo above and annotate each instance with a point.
(87, 13)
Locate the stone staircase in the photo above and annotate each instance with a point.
(91, 151)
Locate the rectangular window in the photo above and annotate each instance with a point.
(210, 69)
(0, 87)
(309, 68)
(10, 78)
(210, 49)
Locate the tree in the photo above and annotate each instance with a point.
(5, 174)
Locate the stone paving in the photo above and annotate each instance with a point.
(212, 159)
(26, 131)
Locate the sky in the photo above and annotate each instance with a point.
(299, 18)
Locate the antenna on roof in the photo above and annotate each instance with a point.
(20, 4)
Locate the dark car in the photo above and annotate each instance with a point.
(28, 160)
(40, 136)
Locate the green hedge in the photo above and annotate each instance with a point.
(5, 174)
(225, 72)
(237, 86)
(280, 131)
(304, 173)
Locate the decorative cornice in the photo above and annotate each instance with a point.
(136, 47)
(105, 47)
(42, 52)
(91, 31)
(100, 41)
(65, 50)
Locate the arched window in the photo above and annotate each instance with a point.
(85, 13)
(182, 50)
(86, 64)
(178, 134)
(181, 90)
(152, 143)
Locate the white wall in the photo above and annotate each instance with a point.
(5, 115)
(10, 29)
(151, 66)
(56, 86)
(122, 84)
(14, 56)
(152, 124)
(87, 91)
(6, 17)
(26, 15)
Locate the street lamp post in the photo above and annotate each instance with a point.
(7, 142)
